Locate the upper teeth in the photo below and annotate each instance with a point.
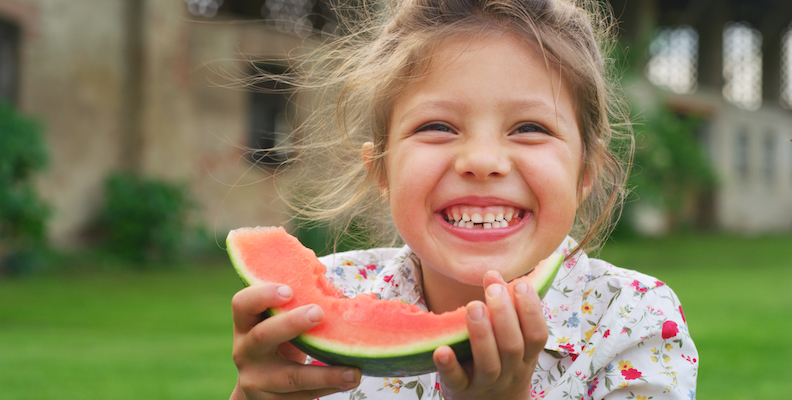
(497, 219)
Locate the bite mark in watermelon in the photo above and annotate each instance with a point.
(381, 337)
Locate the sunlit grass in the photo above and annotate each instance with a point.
(166, 334)
(737, 296)
(144, 335)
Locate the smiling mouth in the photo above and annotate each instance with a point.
(491, 217)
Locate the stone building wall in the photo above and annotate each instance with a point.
(135, 85)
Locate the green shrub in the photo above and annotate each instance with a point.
(145, 219)
(671, 170)
(23, 214)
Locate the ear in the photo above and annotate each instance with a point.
(587, 178)
(366, 152)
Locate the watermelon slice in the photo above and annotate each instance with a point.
(381, 337)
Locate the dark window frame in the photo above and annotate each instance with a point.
(10, 38)
(271, 119)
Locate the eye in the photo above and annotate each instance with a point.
(531, 127)
(436, 127)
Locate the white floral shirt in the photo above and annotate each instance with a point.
(614, 333)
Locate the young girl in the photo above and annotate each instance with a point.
(487, 128)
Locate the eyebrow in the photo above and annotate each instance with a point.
(519, 104)
(538, 105)
(432, 104)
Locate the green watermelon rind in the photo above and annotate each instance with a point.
(545, 280)
(396, 360)
(417, 361)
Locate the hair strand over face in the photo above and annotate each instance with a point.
(390, 43)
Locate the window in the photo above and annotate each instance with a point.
(741, 154)
(203, 8)
(299, 17)
(9, 61)
(786, 69)
(673, 61)
(769, 157)
(742, 66)
(270, 121)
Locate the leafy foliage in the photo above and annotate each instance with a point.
(671, 167)
(145, 219)
(23, 214)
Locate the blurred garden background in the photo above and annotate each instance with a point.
(128, 150)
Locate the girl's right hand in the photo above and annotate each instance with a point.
(269, 366)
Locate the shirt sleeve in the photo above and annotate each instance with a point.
(653, 355)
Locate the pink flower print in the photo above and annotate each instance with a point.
(568, 347)
(689, 359)
(387, 278)
(571, 349)
(683, 314)
(631, 374)
(659, 283)
(670, 329)
(362, 272)
(371, 267)
(628, 372)
(639, 287)
(592, 386)
(606, 334)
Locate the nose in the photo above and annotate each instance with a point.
(482, 159)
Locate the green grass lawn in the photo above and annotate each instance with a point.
(144, 335)
(737, 297)
(167, 334)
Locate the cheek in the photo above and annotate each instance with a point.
(558, 188)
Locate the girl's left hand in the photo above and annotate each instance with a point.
(506, 338)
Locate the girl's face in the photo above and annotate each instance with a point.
(483, 160)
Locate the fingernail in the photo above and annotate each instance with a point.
(494, 290)
(476, 312)
(444, 359)
(314, 314)
(284, 291)
(349, 375)
(521, 287)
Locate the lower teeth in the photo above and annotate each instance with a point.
(483, 225)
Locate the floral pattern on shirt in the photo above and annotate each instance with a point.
(614, 333)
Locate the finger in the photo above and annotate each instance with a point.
(292, 378)
(492, 277)
(486, 360)
(253, 388)
(267, 335)
(532, 320)
(249, 303)
(452, 375)
(506, 326)
(287, 351)
(309, 394)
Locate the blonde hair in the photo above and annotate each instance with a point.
(390, 44)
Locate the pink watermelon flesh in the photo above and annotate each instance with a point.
(382, 337)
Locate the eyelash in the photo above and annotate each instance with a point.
(534, 128)
(435, 126)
